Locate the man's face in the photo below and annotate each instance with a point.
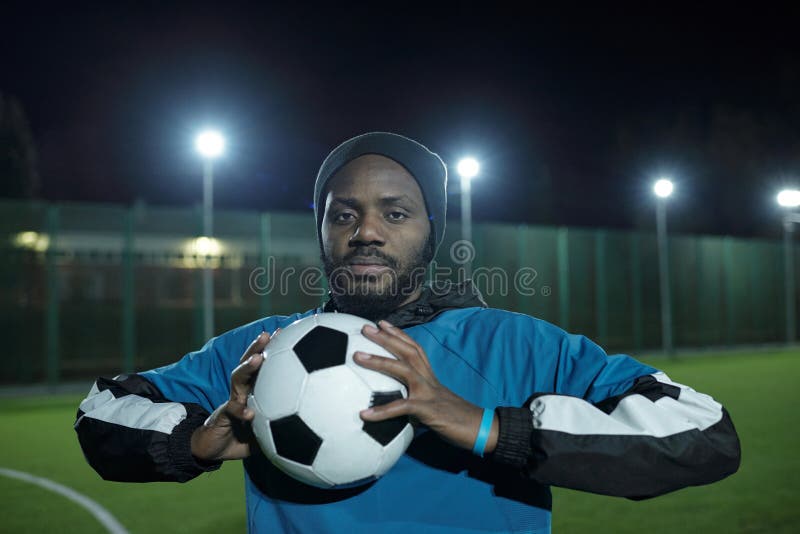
(376, 236)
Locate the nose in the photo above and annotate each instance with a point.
(368, 232)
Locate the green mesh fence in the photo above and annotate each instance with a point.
(88, 289)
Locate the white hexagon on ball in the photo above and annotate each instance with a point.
(375, 380)
(329, 419)
(279, 385)
(299, 328)
(349, 457)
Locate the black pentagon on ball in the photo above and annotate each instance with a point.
(294, 440)
(385, 431)
(321, 348)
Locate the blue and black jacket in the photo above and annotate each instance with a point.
(570, 415)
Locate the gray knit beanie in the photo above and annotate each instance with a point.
(426, 167)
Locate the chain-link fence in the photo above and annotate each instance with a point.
(89, 289)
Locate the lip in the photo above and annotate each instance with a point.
(366, 261)
(368, 268)
(370, 265)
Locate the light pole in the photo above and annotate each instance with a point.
(663, 189)
(210, 145)
(467, 168)
(789, 199)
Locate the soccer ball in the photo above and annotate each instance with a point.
(307, 399)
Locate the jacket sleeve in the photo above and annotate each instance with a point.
(647, 438)
(138, 428)
(130, 432)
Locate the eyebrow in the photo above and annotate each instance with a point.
(354, 203)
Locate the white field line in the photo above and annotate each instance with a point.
(100, 513)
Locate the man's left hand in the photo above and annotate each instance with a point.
(455, 419)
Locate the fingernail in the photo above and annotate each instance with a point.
(362, 355)
(371, 329)
(368, 411)
(387, 323)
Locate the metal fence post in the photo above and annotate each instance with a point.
(727, 268)
(199, 324)
(698, 294)
(636, 291)
(562, 245)
(52, 315)
(128, 295)
(524, 304)
(477, 238)
(665, 287)
(788, 273)
(265, 236)
(600, 287)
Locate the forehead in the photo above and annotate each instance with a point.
(371, 175)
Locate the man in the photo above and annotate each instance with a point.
(505, 404)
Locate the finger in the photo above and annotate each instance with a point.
(396, 408)
(247, 414)
(392, 343)
(397, 346)
(398, 369)
(238, 410)
(388, 327)
(258, 345)
(242, 377)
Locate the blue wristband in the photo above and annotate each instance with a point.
(483, 432)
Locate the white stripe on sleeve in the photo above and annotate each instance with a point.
(132, 411)
(634, 415)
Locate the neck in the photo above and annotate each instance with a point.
(412, 297)
(369, 308)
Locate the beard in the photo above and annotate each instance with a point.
(375, 296)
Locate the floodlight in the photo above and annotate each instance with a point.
(468, 168)
(210, 144)
(207, 246)
(663, 187)
(789, 198)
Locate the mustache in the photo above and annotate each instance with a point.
(370, 253)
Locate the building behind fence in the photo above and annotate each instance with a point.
(89, 289)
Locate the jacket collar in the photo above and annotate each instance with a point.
(436, 298)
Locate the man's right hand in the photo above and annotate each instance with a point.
(224, 435)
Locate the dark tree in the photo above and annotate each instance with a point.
(19, 176)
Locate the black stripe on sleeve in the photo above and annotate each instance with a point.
(646, 386)
(637, 467)
(121, 453)
(131, 385)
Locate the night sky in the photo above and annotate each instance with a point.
(571, 113)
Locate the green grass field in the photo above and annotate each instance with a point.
(759, 390)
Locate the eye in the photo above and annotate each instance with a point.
(397, 216)
(343, 217)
